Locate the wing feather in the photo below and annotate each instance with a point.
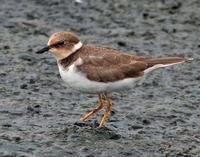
(109, 68)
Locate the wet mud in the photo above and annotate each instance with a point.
(39, 114)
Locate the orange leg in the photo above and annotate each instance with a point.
(101, 103)
(109, 105)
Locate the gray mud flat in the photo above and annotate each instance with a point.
(39, 115)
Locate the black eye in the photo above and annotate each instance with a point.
(59, 44)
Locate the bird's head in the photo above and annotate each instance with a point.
(62, 44)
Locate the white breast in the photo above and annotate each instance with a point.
(79, 81)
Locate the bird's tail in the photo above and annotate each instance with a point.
(164, 62)
(167, 61)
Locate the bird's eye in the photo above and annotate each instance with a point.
(59, 43)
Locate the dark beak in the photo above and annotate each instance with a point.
(56, 45)
(43, 50)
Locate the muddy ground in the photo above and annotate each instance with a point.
(39, 114)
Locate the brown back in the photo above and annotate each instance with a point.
(107, 65)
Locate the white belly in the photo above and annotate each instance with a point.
(79, 81)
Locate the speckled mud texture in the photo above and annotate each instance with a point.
(39, 114)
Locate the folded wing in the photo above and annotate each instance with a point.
(105, 65)
(109, 68)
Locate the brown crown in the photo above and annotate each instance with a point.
(70, 38)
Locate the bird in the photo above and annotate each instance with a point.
(101, 71)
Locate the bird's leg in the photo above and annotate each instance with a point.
(101, 103)
(109, 105)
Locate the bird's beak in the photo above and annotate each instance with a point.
(43, 50)
(47, 48)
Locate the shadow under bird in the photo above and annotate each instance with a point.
(99, 70)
